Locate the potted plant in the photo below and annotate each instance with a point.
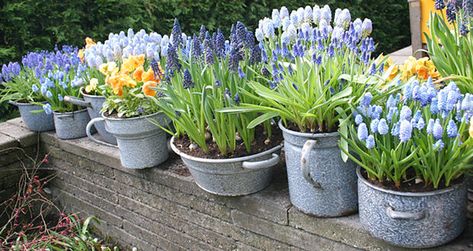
(65, 78)
(129, 112)
(413, 151)
(21, 88)
(206, 74)
(306, 87)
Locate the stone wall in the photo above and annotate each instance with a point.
(16, 145)
(163, 209)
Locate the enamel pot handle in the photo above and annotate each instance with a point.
(398, 215)
(76, 101)
(90, 136)
(305, 163)
(261, 164)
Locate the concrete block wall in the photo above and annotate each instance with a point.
(162, 208)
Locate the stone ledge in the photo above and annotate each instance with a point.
(264, 213)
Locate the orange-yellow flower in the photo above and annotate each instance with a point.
(148, 75)
(131, 63)
(422, 72)
(109, 68)
(118, 81)
(149, 88)
(138, 74)
(89, 42)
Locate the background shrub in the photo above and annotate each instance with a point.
(41, 24)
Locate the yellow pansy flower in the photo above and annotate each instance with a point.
(92, 86)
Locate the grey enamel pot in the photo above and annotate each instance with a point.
(34, 117)
(470, 197)
(71, 125)
(320, 182)
(413, 220)
(233, 176)
(94, 106)
(142, 144)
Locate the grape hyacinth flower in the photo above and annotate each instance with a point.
(370, 142)
(451, 12)
(452, 130)
(383, 127)
(374, 125)
(439, 4)
(47, 108)
(437, 130)
(358, 119)
(187, 83)
(176, 34)
(362, 131)
(439, 145)
(405, 130)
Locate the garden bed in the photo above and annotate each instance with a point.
(162, 208)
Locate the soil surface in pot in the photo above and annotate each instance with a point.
(410, 185)
(258, 145)
(294, 127)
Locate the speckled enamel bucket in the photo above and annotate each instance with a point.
(413, 220)
(94, 106)
(233, 176)
(320, 182)
(34, 120)
(142, 144)
(71, 125)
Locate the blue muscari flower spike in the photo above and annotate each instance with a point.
(395, 129)
(439, 4)
(434, 106)
(237, 99)
(362, 131)
(366, 99)
(187, 83)
(273, 85)
(265, 72)
(420, 124)
(202, 32)
(451, 12)
(209, 55)
(370, 142)
(176, 34)
(358, 119)
(227, 93)
(157, 72)
(439, 145)
(60, 97)
(220, 43)
(172, 59)
(34, 88)
(437, 130)
(49, 94)
(255, 56)
(241, 74)
(430, 126)
(406, 113)
(290, 70)
(452, 130)
(464, 29)
(383, 127)
(392, 113)
(373, 69)
(47, 108)
(405, 131)
(374, 125)
(218, 83)
(196, 47)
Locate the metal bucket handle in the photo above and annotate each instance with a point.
(90, 136)
(261, 164)
(398, 215)
(76, 101)
(305, 163)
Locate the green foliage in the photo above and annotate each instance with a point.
(32, 25)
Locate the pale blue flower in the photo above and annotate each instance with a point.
(370, 142)
(49, 94)
(47, 108)
(374, 125)
(395, 129)
(452, 130)
(405, 130)
(420, 124)
(437, 130)
(60, 97)
(308, 13)
(406, 113)
(383, 127)
(34, 88)
(284, 12)
(439, 145)
(430, 126)
(316, 14)
(366, 27)
(434, 106)
(366, 99)
(358, 119)
(362, 131)
(392, 113)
